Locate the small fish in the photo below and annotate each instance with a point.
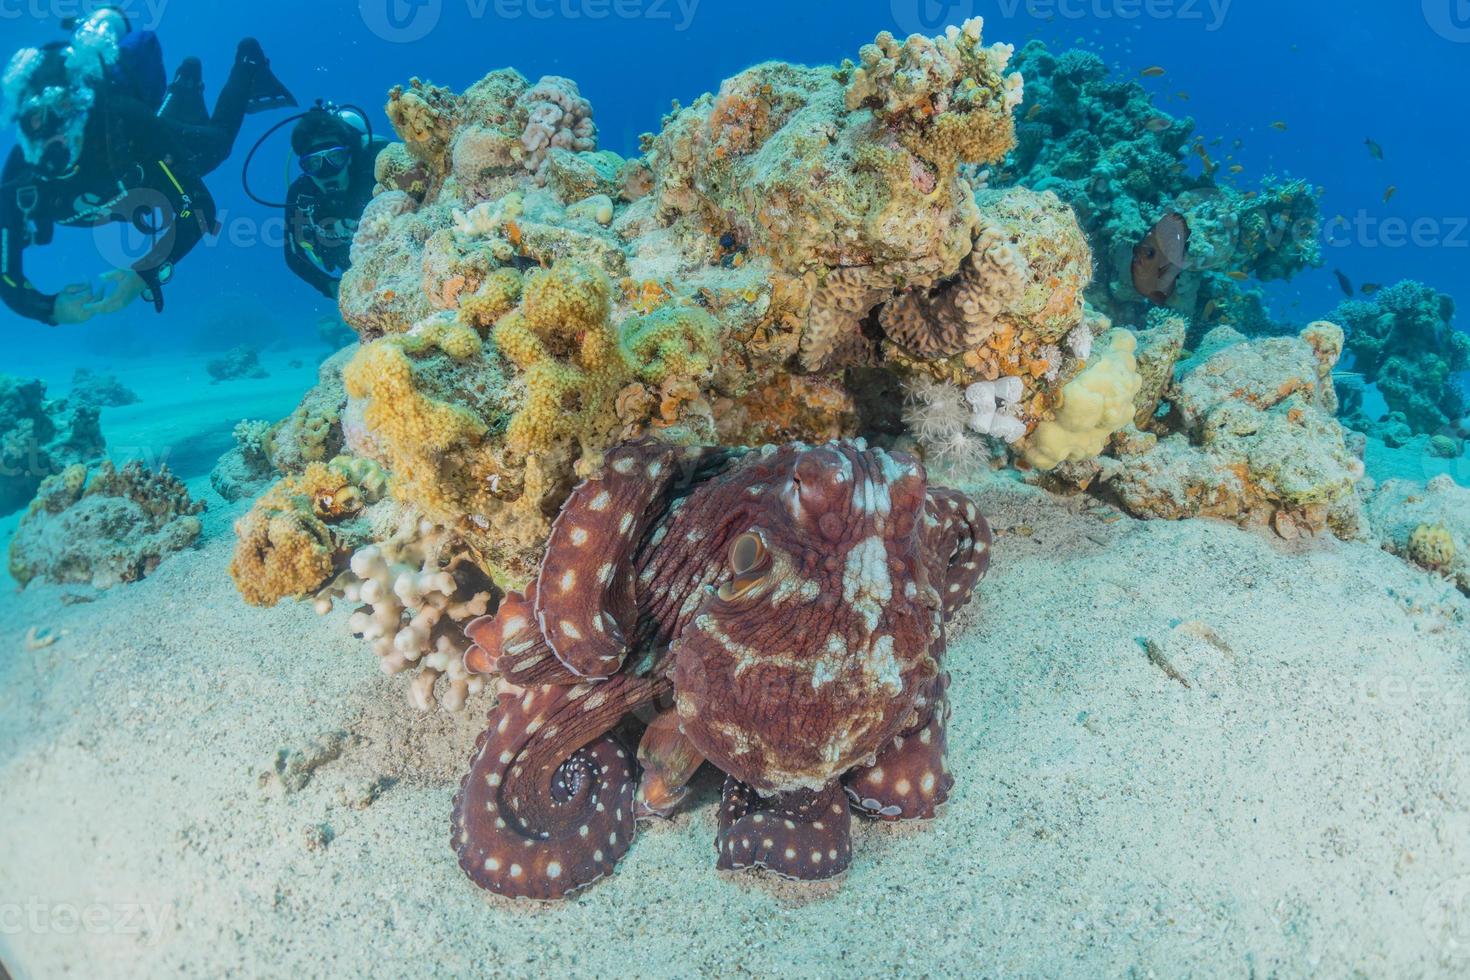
(1033, 112)
(1238, 144)
(1369, 288)
(1279, 125)
(1388, 194)
(1374, 150)
(1159, 258)
(1182, 96)
(1343, 282)
(1237, 168)
(1210, 309)
(1152, 72)
(1158, 124)
(1238, 276)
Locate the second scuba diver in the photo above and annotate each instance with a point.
(336, 152)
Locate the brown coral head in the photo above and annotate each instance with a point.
(804, 658)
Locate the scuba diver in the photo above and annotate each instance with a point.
(336, 152)
(102, 139)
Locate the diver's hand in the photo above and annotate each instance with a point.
(128, 287)
(73, 304)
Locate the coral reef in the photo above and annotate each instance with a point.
(526, 300)
(1427, 524)
(238, 363)
(1122, 164)
(858, 594)
(100, 390)
(40, 438)
(1403, 342)
(1033, 327)
(1245, 432)
(105, 527)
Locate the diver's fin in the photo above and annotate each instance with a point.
(266, 91)
(184, 102)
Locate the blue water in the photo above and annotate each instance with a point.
(1335, 75)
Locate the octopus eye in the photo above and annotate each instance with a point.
(747, 553)
(751, 563)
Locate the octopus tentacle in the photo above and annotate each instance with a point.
(586, 603)
(960, 537)
(547, 806)
(510, 642)
(668, 760)
(803, 835)
(909, 779)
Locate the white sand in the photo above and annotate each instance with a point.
(1303, 806)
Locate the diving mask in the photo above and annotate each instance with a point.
(326, 163)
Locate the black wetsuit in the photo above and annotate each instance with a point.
(137, 166)
(320, 225)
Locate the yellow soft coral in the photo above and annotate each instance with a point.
(437, 452)
(497, 296)
(1096, 404)
(285, 547)
(382, 375)
(674, 342)
(562, 340)
(282, 548)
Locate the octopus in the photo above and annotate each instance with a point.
(778, 613)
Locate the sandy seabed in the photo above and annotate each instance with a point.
(1181, 749)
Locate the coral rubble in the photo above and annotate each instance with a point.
(103, 527)
(245, 470)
